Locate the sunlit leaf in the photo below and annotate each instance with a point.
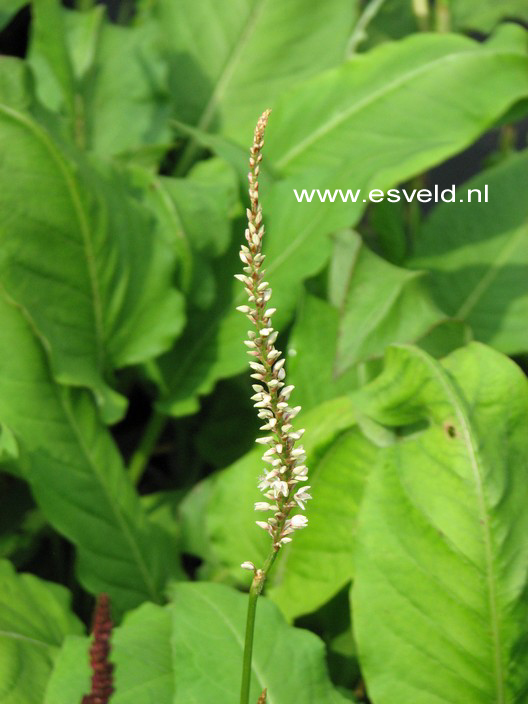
(79, 258)
(477, 255)
(439, 598)
(35, 617)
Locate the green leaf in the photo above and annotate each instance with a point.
(79, 257)
(9, 9)
(16, 89)
(70, 679)
(77, 475)
(208, 348)
(115, 72)
(208, 641)
(444, 338)
(483, 15)
(141, 653)
(193, 216)
(35, 617)
(125, 96)
(477, 254)
(439, 597)
(385, 114)
(231, 60)
(379, 303)
(394, 20)
(311, 354)
(48, 38)
(388, 222)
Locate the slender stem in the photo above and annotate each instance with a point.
(360, 30)
(257, 586)
(248, 644)
(141, 456)
(420, 10)
(442, 16)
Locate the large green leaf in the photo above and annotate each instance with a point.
(232, 59)
(35, 617)
(70, 679)
(49, 38)
(319, 560)
(477, 254)
(204, 629)
(79, 257)
(76, 473)
(383, 117)
(440, 594)
(111, 80)
(205, 351)
(483, 15)
(208, 643)
(194, 216)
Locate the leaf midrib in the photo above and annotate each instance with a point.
(401, 80)
(232, 61)
(27, 639)
(82, 219)
(238, 638)
(121, 523)
(491, 274)
(484, 522)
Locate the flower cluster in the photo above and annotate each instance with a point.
(286, 470)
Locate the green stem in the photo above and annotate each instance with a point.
(257, 585)
(141, 456)
(360, 30)
(248, 645)
(442, 16)
(420, 10)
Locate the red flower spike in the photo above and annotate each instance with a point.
(102, 680)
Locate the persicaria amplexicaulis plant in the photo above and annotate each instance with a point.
(102, 669)
(286, 468)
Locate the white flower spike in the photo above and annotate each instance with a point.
(280, 485)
